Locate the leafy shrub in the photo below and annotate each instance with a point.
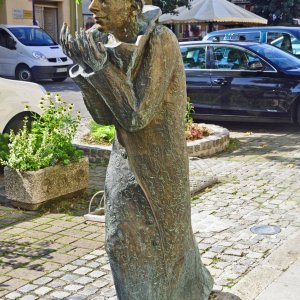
(48, 141)
(4, 150)
(102, 133)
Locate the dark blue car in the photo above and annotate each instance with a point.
(242, 81)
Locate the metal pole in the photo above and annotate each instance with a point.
(33, 13)
(76, 17)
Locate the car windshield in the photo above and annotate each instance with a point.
(32, 36)
(281, 59)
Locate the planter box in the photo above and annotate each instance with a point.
(29, 189)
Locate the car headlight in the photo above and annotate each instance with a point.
(39, 55)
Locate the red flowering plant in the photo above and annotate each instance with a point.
(193, 131)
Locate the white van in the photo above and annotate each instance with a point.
(28, 53)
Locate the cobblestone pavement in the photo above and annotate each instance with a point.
(55, 254)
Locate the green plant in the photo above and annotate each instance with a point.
(188, 111)
(102, 133)
(48, 141)
(4, 150)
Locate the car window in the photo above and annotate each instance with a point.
(281, 40)
(194, 57)
(231, 58)
(32, 36)
(216, 38)
(243, 36)
(279, 58)
(4, 38)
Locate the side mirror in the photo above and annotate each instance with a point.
(255, 65)
(11, 43)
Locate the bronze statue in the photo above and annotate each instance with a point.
(131, 75)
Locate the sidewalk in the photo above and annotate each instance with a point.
(55, 254)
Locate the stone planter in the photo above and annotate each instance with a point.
(29, 189)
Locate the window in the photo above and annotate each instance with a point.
(4, 36)
(246, 36)
(280, 40)
(31, 36)
(230, 58)
(194, 57)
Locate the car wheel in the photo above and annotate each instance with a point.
(17, 122)
(24, 73)
(59, 79)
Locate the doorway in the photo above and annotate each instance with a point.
(46, 16)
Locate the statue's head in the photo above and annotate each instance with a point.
(116, 16)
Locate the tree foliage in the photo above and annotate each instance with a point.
(277, 11)
(167, 6)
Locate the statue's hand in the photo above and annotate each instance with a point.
(70, 46)
(86, 49)
(95, 54)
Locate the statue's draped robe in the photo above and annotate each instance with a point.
(141, 89)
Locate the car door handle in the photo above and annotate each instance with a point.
(220, 81)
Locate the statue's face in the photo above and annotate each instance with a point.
(112, 15)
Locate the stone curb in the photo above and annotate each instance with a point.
(215, 143)
(257, 280)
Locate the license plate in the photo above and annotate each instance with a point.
(61, 70)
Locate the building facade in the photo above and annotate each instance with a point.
(48, 14)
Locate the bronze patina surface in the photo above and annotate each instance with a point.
(131, 75)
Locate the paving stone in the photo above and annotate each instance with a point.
(54, 229)
(84, 280)
(82, 271)
(93, 264)
(98, 252)
(110, 292)
(98, 297)
(56, 283)
(87, 244)
(234, 252)
(68, 268)
(97, 274)
(66, 239)
(14, 283)
(100, 283)
(89, 257)
(70, 277)
(56, 274)
(59, 294)
(106, 267)
(13, 295)
(62, 258)
(88, 290)
(73, 287)
(28, 297)
(79, 262)
(76, 297)
(27, 288)
(42, 291)
(4, 278)
(78, 252)
(42, 280)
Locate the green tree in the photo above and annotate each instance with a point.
(277, 11)
(167, 6)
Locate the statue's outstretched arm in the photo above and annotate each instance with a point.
(136, 97)
(93, 101)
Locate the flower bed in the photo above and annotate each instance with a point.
(214, 143)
